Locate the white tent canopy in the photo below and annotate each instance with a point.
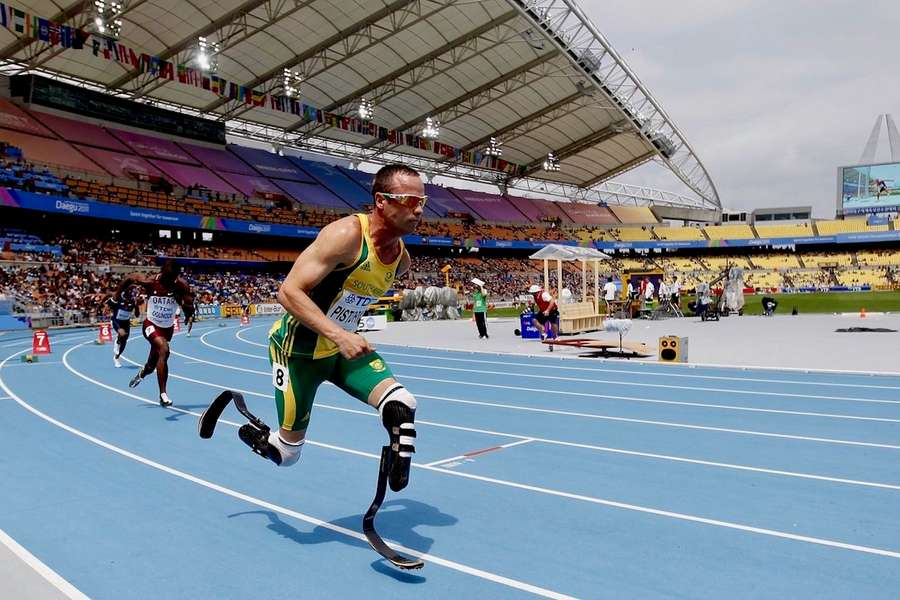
(563, 252)
(559, 253)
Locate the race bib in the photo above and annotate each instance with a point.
(279, 377)
(161, 310)
(347, 309)
(123, 315)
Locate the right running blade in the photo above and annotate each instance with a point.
(398, 560)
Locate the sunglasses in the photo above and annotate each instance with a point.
(410, 201)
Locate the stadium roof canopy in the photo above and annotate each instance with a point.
(535, 75)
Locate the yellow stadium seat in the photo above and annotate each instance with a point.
(679, 233)
(791, 230)
(634, 215)
(729, 232)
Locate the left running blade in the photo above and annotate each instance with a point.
(209, 418)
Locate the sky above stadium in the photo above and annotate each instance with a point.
(772, 95)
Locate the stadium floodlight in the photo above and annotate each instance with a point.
(207, 54)
(551, 164)
(584, 88)
(432, 128)
(534, 40)
(291, 82)
(494, 147)
(366, 109)
(106, 18)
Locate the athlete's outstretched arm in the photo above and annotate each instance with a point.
(336, 246)
(130, 280)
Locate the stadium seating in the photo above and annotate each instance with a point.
(867, 258)
(842, 226)
(719, 263)
(778, 231)
(686, 233)
(827, 259)
(629, 234)
(634, 215)
(859, 277)
(775, 261)
(729, 232)
(763, 279)
(808, 278)
(583, 213)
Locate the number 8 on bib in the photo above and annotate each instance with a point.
(279, 377)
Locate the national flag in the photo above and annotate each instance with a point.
(19, 20)
(43, 30)
(80, 36)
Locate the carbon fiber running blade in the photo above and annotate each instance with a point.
(398, 560)
(207, 423)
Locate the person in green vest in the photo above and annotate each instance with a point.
(479, 308)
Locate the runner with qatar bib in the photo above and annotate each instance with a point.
(165, 293)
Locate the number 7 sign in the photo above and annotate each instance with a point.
(40, 342)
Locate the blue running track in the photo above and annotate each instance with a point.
(534, 477)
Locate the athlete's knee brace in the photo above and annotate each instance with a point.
(398, 412)
(288, 453)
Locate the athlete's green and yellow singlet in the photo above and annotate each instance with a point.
(343, 295)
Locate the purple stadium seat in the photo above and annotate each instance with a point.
(552, 209)
(218, 159)
(153, 147)
(13, 117)
(270, 164)
(249, 185)
(81, 132)
(118, 164)
(312, 194)
(491, 207)
(50, 151)
(336, 181)
(589, 214)
(188, 175)
(442, 201)
(526, 207)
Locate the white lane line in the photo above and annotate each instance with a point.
(486, 575)
(538, 489)
(680, 516)
(631, 398)
(548, 440)
(546, 391)
(637, 371)
(653, 385)
(589, 415)
(39, 363)
(469, 455)
(544, 355)
(238, 336)
(52, 577)
(640, 370)
(53, 340)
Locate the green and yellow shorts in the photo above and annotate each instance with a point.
(296, 381)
